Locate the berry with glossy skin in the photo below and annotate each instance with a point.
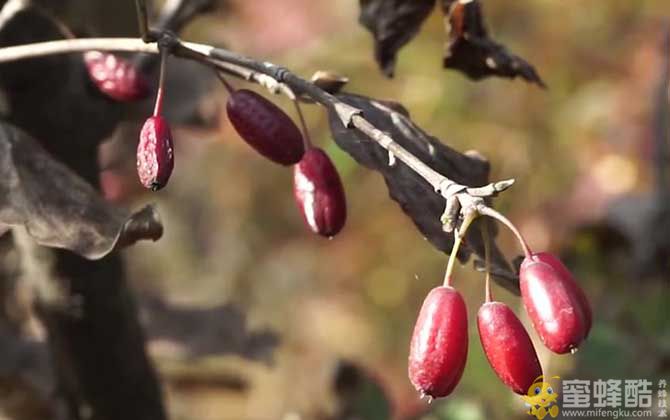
(265, 127)
(116, 77)
(570, 279)
(553, 305)
(319, 194)
(439, 346)
(155, 153)
(508, 347)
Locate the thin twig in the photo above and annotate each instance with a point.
(10, 9)
(64, 46)
(488, 211)
(225, 83)
(175, 14)
(487, 262)
(158, 107)
(459, 234)
(143, 19)
(306, 139)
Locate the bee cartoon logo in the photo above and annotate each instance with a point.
(541, 399)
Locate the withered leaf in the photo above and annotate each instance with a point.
(393, 24)
(414, 195)
(471, 51)
(58, 208)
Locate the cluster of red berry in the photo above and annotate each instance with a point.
(317, 187)
(121, 81)
(556, 305)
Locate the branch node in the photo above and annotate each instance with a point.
(391, 159)
(448, 188)
(450, 216)
(492, 189)
(346, 113)
(329, 81)
(167, 40)
(501, 186)
(279, 73)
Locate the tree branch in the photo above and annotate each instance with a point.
(277, 79)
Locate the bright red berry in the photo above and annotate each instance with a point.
(570, 279)
(319, 193)
(116, 77)
(553, 304)
(155, 153)
(265, 127)
(508, 347)
(439, 346)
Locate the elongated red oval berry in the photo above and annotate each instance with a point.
(318, 191)
(508, 347)
(116, 77)
(155, 154)
(265, 127)
(552, 305)
(570, 279)
(439, 346)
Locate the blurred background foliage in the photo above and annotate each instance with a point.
(319, 329)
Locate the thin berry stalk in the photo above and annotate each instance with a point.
(158, 108)
(225, 83)
(458, 238)
(488, 297)
(307, 141)
(488, 211)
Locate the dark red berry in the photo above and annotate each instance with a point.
(319, 193)
(439, 346)
(155, 154)
(265, 127)
(508, 347)
(570, 279)
(116, 77)
(553, 305)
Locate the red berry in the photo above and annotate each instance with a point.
(439, 346)
(319, 193)
(508, 347)
(265, 127)
(116, 77)
(553, 305)
(570, 279)
(155, 154)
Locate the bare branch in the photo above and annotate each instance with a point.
(277, 79)
(64, 46)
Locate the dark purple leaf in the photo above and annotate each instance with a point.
(393, 24)
(416, 197)
(471, 51)
(57, 207)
